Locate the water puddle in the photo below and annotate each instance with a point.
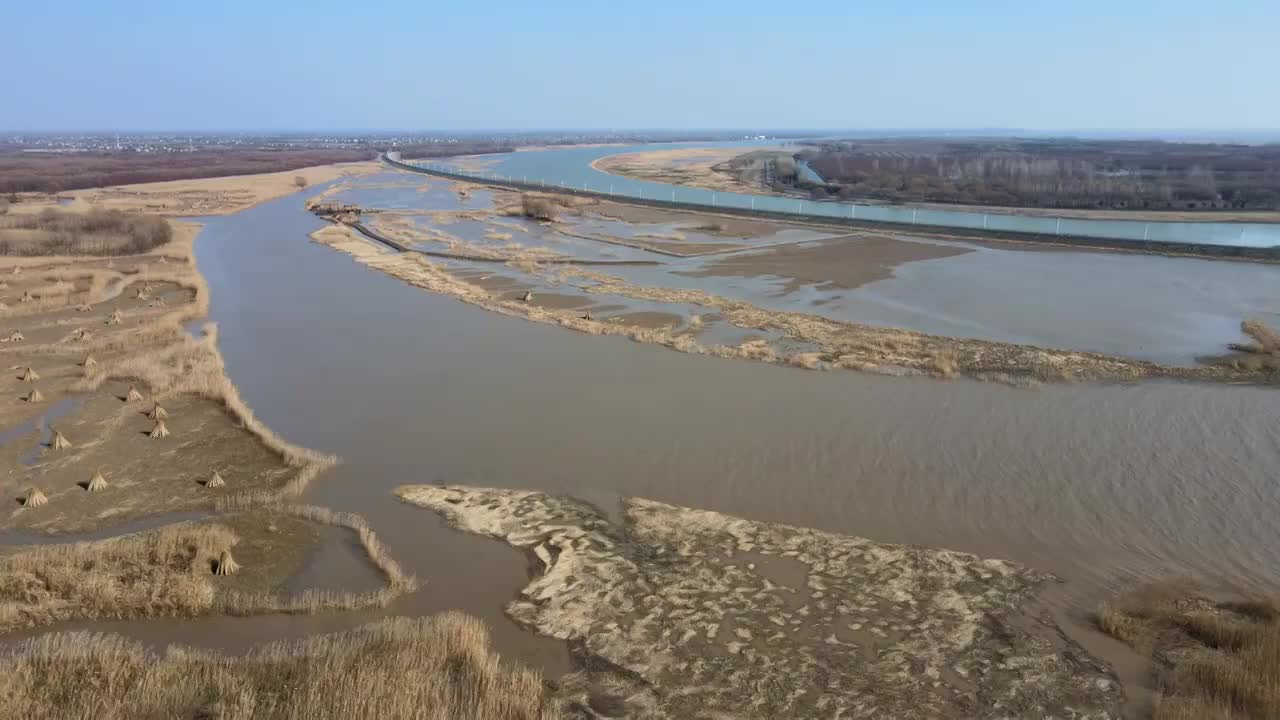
(42, 424)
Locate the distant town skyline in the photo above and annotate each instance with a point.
(394, 65)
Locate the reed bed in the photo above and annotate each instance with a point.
(440, 668)
(1213, 659)
(170, 572)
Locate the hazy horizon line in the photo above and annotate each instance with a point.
(630, 130)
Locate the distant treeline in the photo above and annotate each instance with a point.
(55, 172)
(1058, 173)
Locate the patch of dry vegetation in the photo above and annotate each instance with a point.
(170, 572)
(1213, 659)
(96, 232)
(538, 207)
(164, 572)
(434, 669)
(1261, 355)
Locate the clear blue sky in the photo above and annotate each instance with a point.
(433, 64)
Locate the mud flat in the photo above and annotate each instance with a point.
(845, 263)
(109, 367)
(818, 342)
(704, 614)
(711, 168)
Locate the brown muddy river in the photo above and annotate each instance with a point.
(1103, 485)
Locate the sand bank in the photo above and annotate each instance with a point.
(695, 613)
(211, 196)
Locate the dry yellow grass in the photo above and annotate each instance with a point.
(213, 196)
(168, 572)
(434, 669)
(163, 572)
(1214, 659)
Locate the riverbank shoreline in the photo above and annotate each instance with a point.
(672, 166)
(1155, 247)
(134, 466)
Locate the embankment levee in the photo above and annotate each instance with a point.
(1079, 241)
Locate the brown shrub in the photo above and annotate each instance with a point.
(97, 232)
(538, 207)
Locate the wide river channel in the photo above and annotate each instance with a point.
(1103, 485)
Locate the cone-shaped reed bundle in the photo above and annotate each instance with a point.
(586, 315)
(35, 498)
(159, 431)
(89, 361)
(140, 294)
(159, 413)
(60, 441)
(35, 396)
(115, 319)
(216, 481)
(26, 297)
(29, 375)
(97, 483)
(17, 336)
(85, 307)
(133, 395)
(528, 295)
(17, 269)
(227, 565)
